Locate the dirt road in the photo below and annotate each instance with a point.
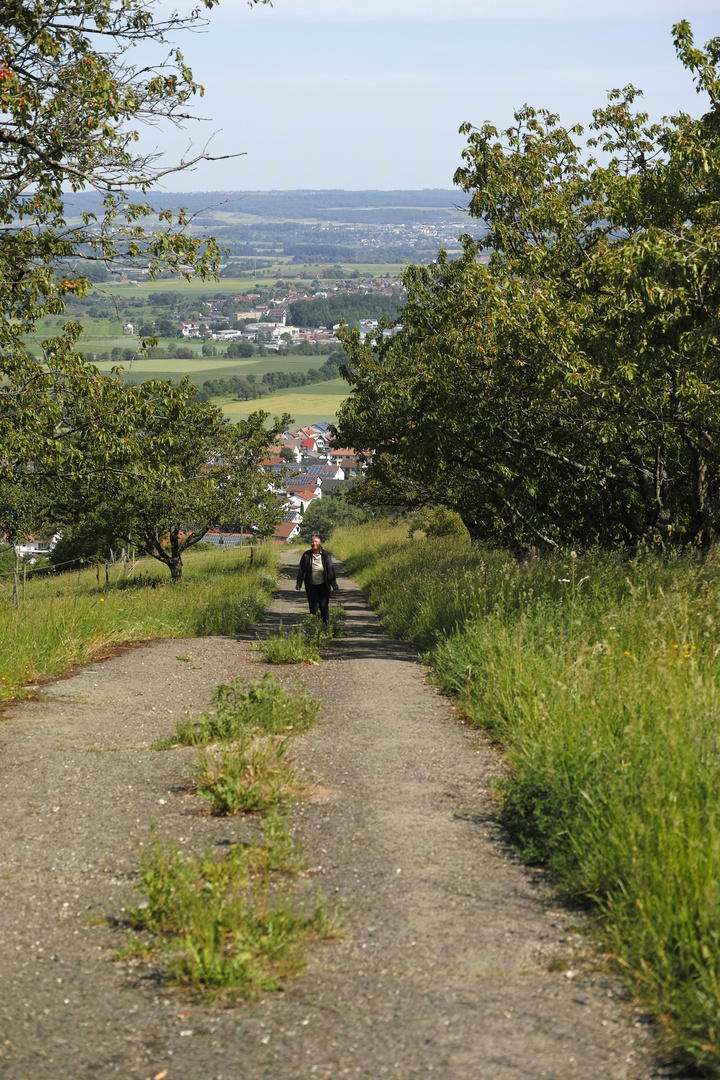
(444, 969)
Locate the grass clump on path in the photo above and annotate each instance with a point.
(289, 647)
(67, 619)
(600, 678)
(241, 707)
(248, 771)
(228, 924)
(249, 775)
(301, 644)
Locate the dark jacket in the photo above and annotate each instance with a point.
(305, 569)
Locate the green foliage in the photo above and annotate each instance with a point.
(246, 388)
(258, 707)
(559, 382)
(349, 306)
(435, 521)
(242, 387)
(325, 514)
(171, 470)
(72, 101)
(229, 925)
(78, 544)
(599, 676)
(240, 349)
(280, 380)
(316, 632)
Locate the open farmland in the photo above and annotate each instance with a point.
(306, 404)
(217, 367)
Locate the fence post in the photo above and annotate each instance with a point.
(16, 579)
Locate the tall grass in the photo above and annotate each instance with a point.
(67, 619)
(599, 677)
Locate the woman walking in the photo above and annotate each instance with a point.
(317, 571)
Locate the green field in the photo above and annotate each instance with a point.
(306, 404)
(217, 367)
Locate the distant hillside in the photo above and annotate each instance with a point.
(363, 207)
(318, 226)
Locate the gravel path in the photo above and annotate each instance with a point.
(444, 967)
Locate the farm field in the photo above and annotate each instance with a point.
(306, 404)
(217, 367)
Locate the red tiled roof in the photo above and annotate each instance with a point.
(283, 531)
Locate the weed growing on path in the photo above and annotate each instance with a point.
(227, 924)
(249, 775)
(289, 647)
(241, 707)
(301, 644)
(319, 633)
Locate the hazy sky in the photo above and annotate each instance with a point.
(370, 93)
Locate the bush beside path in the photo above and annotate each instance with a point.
(455, 961)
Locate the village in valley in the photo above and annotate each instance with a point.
(303, 467)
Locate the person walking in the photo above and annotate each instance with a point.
(317, 570)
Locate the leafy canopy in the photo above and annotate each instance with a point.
(164, 470)
(72, 97)
(558, 383)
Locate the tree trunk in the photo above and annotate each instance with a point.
(702, 527)
(175, 560)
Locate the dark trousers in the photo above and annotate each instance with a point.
(318, 596)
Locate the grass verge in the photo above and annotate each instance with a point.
(228, 926)
(67, 619)
(600, 678)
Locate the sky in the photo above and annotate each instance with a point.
(359, 94)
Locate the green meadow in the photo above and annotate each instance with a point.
(216, 367)
(71, 618)
(306, 404)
